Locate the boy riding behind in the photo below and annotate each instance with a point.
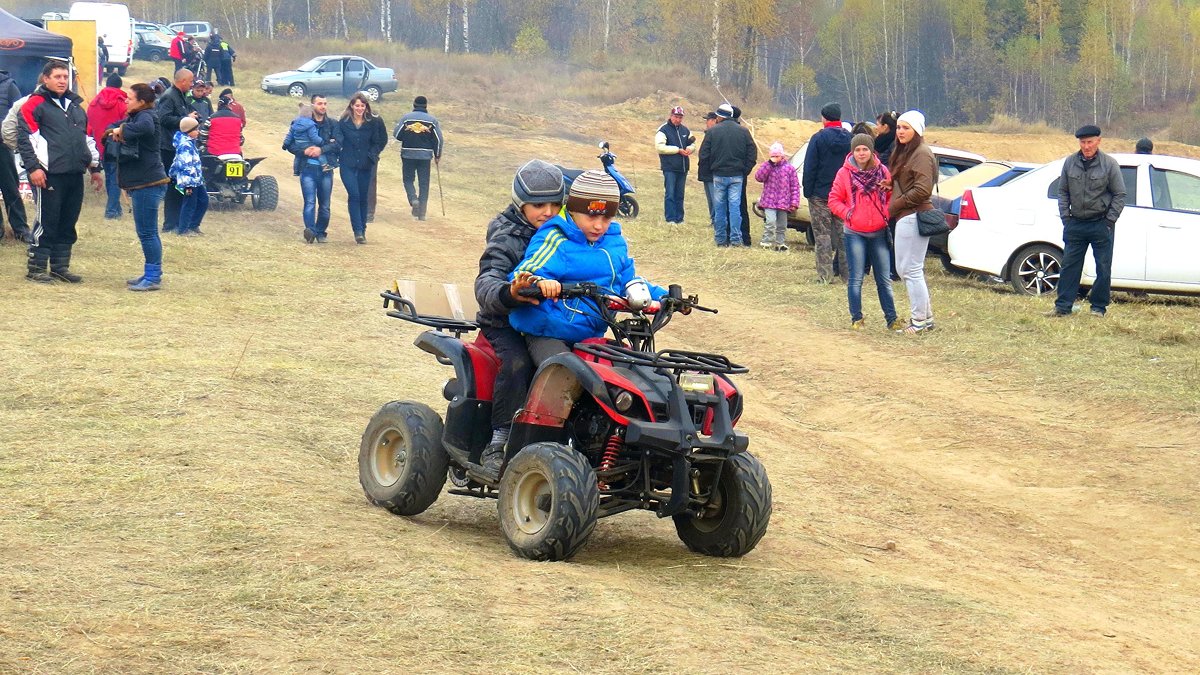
(537, 194)
(581, 243)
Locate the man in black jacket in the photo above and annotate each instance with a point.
(674, 144)
(420, 138)
(55, 150)
(9, 183)
(728, 153)
(1091, 196)
(537, 194)
(827, 150)
(702, 173)
(171, 107)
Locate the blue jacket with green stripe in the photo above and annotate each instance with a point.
(560, 251)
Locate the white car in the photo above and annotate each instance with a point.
(1013, 231)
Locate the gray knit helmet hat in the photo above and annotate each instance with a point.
(538, 182)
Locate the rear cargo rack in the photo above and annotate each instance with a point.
(670, 359)
(404, 309)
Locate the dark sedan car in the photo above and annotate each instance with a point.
(336, 75)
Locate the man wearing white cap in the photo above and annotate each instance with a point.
(675, 145)
(728, 154)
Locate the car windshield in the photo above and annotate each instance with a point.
(311, 65)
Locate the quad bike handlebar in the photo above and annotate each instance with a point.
(646, 318)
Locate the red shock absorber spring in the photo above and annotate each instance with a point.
(611, 450)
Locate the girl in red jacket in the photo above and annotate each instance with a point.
(862, 204)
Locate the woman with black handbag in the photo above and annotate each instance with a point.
(140, 172)
(914, 173)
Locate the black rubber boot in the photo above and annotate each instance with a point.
(60, 265)
(36, 265)
(488, 470)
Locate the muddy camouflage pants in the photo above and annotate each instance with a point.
(827, 235)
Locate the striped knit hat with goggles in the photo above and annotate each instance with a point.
(594, 193)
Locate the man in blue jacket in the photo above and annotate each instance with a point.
(420, 138)
(827, 150)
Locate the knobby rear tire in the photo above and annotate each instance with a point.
(401, 462)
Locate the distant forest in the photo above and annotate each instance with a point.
(961, 61)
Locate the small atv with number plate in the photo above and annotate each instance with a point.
(227, 180)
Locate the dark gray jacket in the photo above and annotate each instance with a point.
(508, 236)
(9, 93)
(1090, 190)
(171, 107)
(728, 150)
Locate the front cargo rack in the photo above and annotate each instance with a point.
(669, 359)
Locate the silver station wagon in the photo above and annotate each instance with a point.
(337, 75)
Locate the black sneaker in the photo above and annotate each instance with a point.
(39, 277)
(309, 236)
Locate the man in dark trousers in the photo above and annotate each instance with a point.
(212, 57)
(827, 150)
(9, 182)
(674, 144)
(55, 166)
(420, 138)
(1091, 196)
(728, 153)
(171, 107)
(702, 173)
(737, 117)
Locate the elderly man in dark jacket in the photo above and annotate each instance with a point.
(9, 183)
(420, 138)
(1091, 196)
(827, 150)
(171, 107)
(728, 153)
(537, 194)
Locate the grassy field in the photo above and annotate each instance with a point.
(179, 468)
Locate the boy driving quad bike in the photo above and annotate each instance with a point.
(606, 427)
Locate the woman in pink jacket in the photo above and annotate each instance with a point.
(862, 205)
(780, 195)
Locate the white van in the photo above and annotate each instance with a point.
(114, 25)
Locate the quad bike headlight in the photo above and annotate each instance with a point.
(697, 383)
(623, 401)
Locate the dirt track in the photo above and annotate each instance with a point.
(1064, 536)
(195, 506)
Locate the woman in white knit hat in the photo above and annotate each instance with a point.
(914, 173)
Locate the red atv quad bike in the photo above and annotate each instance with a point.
(611, 427)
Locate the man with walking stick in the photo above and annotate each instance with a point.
(420, 138)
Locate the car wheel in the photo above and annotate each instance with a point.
(297, 90)
(1035, 270)
(155, 57)
(373, 93)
